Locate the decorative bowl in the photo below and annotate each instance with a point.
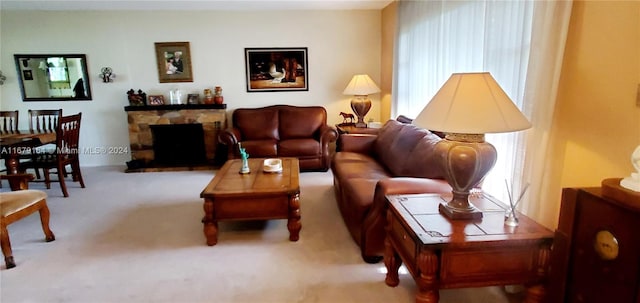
(272, 165)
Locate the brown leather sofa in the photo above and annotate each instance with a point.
(282, 131)
(398, 160)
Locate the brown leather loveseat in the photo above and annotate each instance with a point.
(282, 131)
(398, 160)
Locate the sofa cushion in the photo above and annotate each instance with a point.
(261, 148)
(346, 165)
(395, 143)
(299, 148)
(291, 122)
(257, 124)
(423, 162)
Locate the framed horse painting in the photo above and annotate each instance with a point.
(276, 69)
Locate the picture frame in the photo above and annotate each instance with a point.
(155, 100)
(276, 69)
(27, 74)
(193, 99)
(173, 60)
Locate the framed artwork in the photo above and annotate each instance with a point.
(193, 99)
(174, 62)
(276, 69)
(156, 100)
(27, 74)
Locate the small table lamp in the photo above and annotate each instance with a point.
(466, 107)
(360, 87)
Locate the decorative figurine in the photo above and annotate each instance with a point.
(138, 99)
(245, 163)
(346, 118)
(633, 182)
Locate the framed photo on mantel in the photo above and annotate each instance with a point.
(276, 69)
(174, 62)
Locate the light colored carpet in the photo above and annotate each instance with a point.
(138, 238)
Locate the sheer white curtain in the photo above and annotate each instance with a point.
(506, 38)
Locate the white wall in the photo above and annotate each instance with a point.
(340, 44)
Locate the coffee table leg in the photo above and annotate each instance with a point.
(293, 224)
(210, 225)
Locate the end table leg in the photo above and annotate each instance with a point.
(427, 281)
(391, 259)
(535, 294)
(210, 225)
(293, 223)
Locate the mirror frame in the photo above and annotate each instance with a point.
(83, 59)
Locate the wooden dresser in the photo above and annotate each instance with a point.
(596, 253)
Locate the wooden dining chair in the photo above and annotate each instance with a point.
(8, 125)
(65, 153)
(18, 204)
(44, 120)
(8, 121)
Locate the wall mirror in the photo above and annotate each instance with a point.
(53, 77)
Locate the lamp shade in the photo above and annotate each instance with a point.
(471, 103)
(361, 85)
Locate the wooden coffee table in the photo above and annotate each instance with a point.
(258, 195)
(442, 253)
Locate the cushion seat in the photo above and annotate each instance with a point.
(15, 201)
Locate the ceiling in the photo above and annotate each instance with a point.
(239, 5)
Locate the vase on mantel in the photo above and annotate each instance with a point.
(208, 96)
(217, 97)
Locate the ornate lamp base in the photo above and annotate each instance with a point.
(360, 106)
(465, 160)
(459, 208)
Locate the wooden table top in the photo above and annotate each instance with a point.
(229, 182)
(421, 213)
(21, 136)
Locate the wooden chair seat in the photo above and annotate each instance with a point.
(16, 205)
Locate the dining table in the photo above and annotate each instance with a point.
(16, 143)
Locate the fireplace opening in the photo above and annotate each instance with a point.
(178, 144)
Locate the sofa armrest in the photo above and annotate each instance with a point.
(376, 220)
(230, 137)
(327, 134)
(358, 143)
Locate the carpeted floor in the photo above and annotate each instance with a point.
(138, 238)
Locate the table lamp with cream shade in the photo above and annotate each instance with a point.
(466, 107)
(361, 86)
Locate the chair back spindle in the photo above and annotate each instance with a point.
(44, 120)
(9, 121)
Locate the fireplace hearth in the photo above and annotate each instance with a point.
(163, 138)
(178, 145)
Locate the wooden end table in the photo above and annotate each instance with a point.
(258, 195)
(350, 128)
(441, 253)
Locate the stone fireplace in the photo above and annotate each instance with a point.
(201, 120)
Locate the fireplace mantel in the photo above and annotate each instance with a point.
(211, 116)
(174, 107)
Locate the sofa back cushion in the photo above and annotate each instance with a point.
(407, 150)
(300, 121)
(257, 123)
